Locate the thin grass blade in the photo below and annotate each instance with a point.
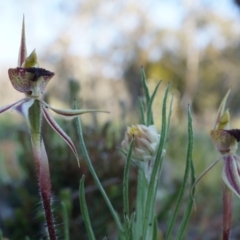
(188, 170)
(126, 180)
(142, 188)
(155, 229)
(169, 116)
(145, 86)
(84, 210)
(150, 120)
(65, 221)
(156, 170)
(141, 107)
(192, 173)
(94, 175)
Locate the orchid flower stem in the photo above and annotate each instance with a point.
(227, 212)
(45, 192)
(42, 166)
(94, 175)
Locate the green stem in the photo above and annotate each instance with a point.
(95, 177)
(84, 210)
(156, 172)
(65, 219)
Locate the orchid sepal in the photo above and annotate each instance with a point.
(61, 133)
(71, 113)
(5, 108)
(23, 49)
(220, 113)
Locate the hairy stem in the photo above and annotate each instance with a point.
(44, 183)
(41, 162)
(227, 212)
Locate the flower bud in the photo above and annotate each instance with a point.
(146, 141)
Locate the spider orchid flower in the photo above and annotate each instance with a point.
(28, 78)
(226, 141)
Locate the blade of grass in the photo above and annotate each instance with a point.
(150, 120)
(65, 221)
(192, 191)
(142, 187)
(141, 107)
(188, 168)
(155, 229)
(94, 175)
(156, 170)
(125, 191)
(144, 84)
(132, 222)
(84, 210)
(126, 180)
(169, 116)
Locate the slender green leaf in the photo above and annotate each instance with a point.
(151, 196)
(84, 210)
(155, 229)
(169, 116)
(150, 120)
(1, 236)
(94, 175)
(141, 107)
(65, 221)
(132, 222)
(188, 168)
(145, 87)
(142, 188)
(126, 180)
(125, 191)
(192, 191)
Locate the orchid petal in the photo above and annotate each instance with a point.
(230, 174)
(59, 130)
(24, 108)
(31, 61)
(71, 113)
(23, 49)
(221, 109)
(5, 108)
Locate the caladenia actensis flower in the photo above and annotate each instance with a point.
(28, 78)
(225, 140)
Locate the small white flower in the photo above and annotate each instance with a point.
(146, 141)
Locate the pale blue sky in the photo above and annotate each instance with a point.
(44, 20)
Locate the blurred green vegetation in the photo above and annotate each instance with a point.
(21, 213)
